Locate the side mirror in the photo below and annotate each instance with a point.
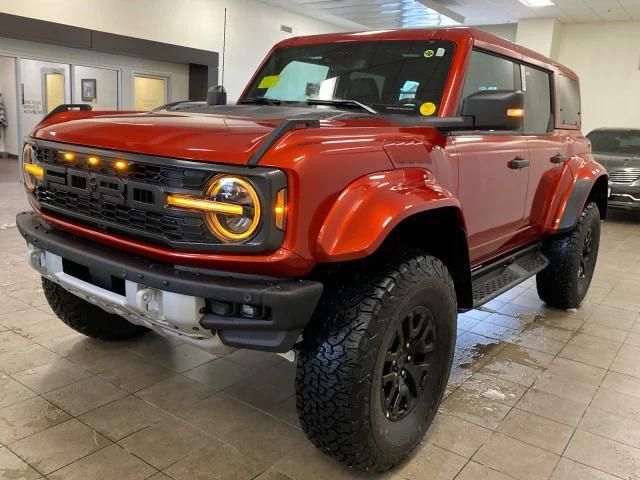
(495, 109)
(216, 95)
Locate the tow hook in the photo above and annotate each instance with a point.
(147, 300)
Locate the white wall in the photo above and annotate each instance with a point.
(8, 90)
(178, 74)
(252, 27)
(606, 56)
(507, 31)
(540, 34)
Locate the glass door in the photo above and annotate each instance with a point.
(43, 86)
(149, 92)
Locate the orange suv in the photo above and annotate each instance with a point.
(364, 189)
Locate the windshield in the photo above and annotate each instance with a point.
(391, 76)
(615, 142)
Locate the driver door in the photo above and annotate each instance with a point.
(493, 168)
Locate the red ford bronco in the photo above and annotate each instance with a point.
(364, 189)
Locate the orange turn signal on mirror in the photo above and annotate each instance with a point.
(280, 209)
(35, 170)
(194, 203)
(515, 113)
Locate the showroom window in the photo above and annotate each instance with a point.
(537, 87)
(488, 72)
(569, 101)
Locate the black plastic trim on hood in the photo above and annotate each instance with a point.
(284, 127)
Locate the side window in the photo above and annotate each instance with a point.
(569, 101)
(488, 72)
(537, 100)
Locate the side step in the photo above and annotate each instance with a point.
(496, 278)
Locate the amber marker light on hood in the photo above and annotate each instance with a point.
(120, 165)
(93, 161)
(68, 156)
(515, 113)
(194, 203)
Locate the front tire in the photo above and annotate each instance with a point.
(376, 360)
(87, 318)
(573, 255)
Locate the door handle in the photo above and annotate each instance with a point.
(558, 158)
(518, 162)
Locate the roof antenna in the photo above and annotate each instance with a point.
(217, 95)
(224, 45)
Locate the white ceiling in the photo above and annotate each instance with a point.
(379, 14)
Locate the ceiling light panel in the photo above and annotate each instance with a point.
(537, 3)
(383, 14)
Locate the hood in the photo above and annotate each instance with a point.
(613, 162)
(224, 134)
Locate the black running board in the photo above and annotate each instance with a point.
(494, 279)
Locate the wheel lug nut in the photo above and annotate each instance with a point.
(408, 358)
(407, 345)
(387, 414)
(404, 373)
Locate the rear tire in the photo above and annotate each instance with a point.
(87, 318)
(573, 255)
(376, 360)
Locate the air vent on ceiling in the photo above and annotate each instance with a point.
(284, 28)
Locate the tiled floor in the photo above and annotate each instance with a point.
(535, 393)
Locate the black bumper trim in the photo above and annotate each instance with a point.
(291, 302)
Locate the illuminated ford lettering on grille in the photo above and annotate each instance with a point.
(116, 190)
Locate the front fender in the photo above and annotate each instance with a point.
(372, 206)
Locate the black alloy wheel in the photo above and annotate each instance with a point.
(407, 363)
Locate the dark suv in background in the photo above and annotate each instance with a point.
(618, 150)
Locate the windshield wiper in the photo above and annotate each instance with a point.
(262, 101)
(341, 102)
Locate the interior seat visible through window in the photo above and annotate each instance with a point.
(363, 90)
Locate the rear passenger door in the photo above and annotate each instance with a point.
(492, 188)
(547, 146)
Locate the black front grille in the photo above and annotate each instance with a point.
(124, 194)
(127, 202)
(123, 218)
(165, 176)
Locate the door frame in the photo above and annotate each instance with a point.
(149, 74)
(43, 84)
(118, 71)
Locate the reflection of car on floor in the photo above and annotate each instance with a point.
(364, 190)
(618, 150)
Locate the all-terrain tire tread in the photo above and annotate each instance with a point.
(333, 376)
(557, 284)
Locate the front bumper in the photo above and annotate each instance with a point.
(199, 306)
(625, 197)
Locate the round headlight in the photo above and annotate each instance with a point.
(29, 170)
(236, 191)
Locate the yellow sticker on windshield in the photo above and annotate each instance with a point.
(269, 81)
(428, 108)
(429, 53)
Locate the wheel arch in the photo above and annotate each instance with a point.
(585, 189)
(401, 208)
(448, 243)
